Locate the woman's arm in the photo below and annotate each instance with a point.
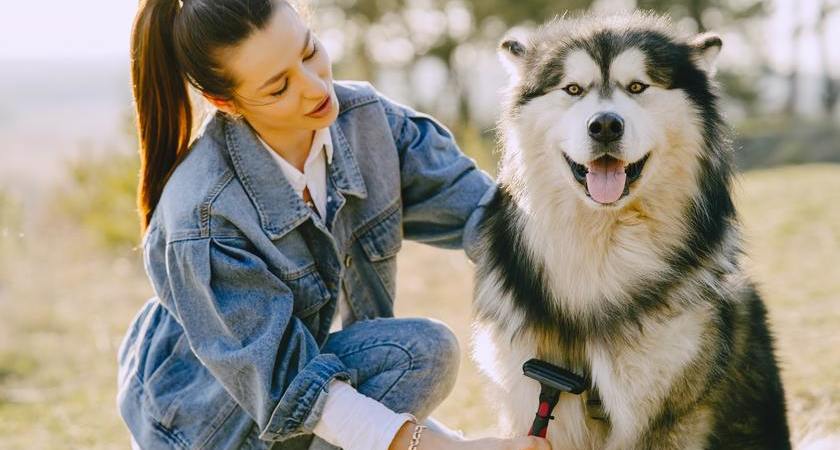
(443, 192)
(353, 421)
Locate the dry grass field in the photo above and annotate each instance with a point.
(64, 306)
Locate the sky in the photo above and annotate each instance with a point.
(62, 29)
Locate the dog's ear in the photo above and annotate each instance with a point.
(706, 48)
(512, 51)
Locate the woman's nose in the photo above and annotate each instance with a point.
(316, 87)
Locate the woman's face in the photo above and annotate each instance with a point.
(283, 74)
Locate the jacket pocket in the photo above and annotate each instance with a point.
(185, 399)
(164, 383)
(380, 243)
(383, 239)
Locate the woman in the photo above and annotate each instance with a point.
(282, 216)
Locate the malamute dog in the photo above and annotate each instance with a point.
(612, 247)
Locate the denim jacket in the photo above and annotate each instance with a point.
(246, 277)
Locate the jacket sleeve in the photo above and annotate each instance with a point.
(237, 316)
(444, 193)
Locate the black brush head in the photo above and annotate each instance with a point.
(553, 376)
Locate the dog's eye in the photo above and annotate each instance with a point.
(637, 87)
(573, 89)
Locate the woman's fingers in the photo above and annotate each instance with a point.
(520, 443)
(531, 443)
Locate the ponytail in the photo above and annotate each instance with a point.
(164, 113)
(174, 43)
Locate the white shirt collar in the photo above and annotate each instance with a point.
(323, 137)
(321, 140)
(314, 168)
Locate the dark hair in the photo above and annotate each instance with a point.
(173, 44)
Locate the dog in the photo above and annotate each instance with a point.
(612, 245)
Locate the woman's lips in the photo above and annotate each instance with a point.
(323, 108)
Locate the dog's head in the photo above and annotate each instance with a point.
(615, 106)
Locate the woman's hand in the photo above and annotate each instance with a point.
(432, 440)
(519, 443)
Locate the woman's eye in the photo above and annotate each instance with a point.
(637, 87)
(281, 91)
(573, 89)
(314, 51)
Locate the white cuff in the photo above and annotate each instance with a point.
(353, 421)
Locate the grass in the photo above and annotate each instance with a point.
(64, 305)
(792, 228)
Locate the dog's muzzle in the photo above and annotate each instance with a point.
(607, 179)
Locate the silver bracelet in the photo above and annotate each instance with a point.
(415, 437)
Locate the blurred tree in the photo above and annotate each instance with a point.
(793, 75)
(831, 90)
(512, 13)
(732, 10)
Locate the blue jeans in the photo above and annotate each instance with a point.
(409, 365)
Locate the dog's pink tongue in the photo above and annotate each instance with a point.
(605, 179)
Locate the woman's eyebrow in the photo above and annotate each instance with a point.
(283, 73)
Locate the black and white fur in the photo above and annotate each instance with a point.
(644, 296)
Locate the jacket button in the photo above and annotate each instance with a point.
(347, 260)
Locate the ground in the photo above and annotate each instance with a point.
(64, 306)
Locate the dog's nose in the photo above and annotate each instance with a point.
(605, 127)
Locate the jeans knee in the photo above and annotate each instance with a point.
(415, 367)
(449, 348)
(441, 355)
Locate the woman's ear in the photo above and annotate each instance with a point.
(706, 47)
(226, 106)
(512, 52)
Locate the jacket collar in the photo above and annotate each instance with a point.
(279, 207)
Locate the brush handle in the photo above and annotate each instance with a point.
(548, 400)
